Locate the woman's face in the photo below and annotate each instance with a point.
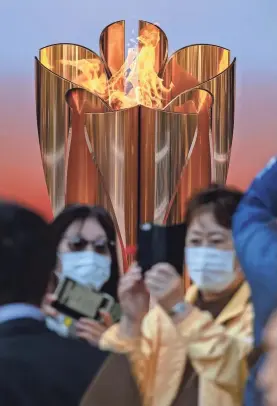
(210, 256)
(204, 231)
(85, 235)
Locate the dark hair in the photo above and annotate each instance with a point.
(77, 212)
(221, 200)
(27, 255)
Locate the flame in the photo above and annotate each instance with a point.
(90, 77)
(135, 83)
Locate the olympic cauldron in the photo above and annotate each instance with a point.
(136, 135)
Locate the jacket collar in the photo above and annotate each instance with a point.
(234, 308)
(17, 311)
(18, 327)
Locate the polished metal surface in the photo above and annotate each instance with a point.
(53, 128)
(57, 71)
(208, 67)
(197, 172)
(74, 63)
(114, 139)
(82, 180)
(112, 47)
(126, 146)
(166, 142)
(140, 163)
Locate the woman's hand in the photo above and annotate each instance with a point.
(134, 302)
(91, 330)
(46, 306)
(165, 285)
(133, 296)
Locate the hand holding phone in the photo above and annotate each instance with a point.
(79, 301)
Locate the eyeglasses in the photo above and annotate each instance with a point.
(80, 244)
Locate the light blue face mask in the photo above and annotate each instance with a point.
(86, 267)
(210, 269)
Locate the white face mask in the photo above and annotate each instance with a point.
(87, 268)
(210, 269)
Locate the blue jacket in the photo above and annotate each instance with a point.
(255, 237)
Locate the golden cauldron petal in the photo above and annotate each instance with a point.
(57, 71)
(165, 142)
(112, 47)
(84, 101)
(193, 65)
(114, 138)
(154, 33)
(197, 170)
(75, 63)
(191, 101)
(53, 120)
(82, 180)
(208, 67)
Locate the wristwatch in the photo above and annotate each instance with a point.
(177, 309)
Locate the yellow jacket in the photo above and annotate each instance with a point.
(217, 353)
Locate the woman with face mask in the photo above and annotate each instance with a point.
(87, 255)
(190, 351)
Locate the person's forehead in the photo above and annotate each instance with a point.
(89, 227)
(92, 226)
(74, 227)
(205, 220)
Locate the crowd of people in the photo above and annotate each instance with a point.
(214, 345)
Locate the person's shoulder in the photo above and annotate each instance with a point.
(78, 348)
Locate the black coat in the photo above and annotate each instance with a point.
(39, 368)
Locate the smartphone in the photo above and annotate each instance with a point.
(77, 301)
(158, 243)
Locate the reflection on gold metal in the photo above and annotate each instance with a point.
(53, 128)
(166, 143)
(113, 139)
(197, 173)
(82, 181)
(53, 80)
(208, 67)
(112, 47)
(65, 60)
(141, 163)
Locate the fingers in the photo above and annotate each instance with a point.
(129, 280)
(164, 269)
(155, 287)
(134, 270)
(162, 279)
(156, 278)
(88, 337)
(106, 318)
(90, 330)
(90, 325)
(50, 298)
(50, 311)
(162, 273)
(47, 308)
(126, 284)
